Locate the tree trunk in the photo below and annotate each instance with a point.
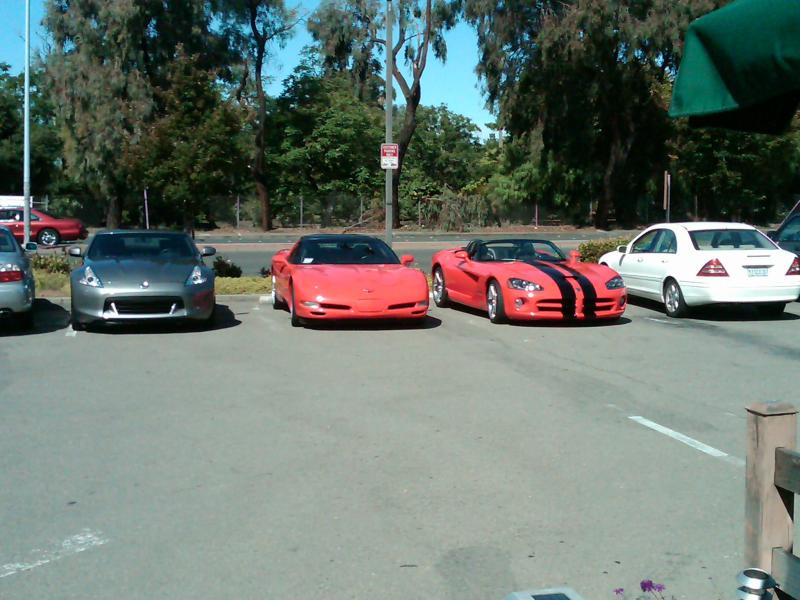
(403, 141)
(617, 156)
(113, 212)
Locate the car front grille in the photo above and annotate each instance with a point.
(154, 305)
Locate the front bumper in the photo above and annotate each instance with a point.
(16, 297)
(159, 302)
(542, 306)
(696, 293)
(362, 309)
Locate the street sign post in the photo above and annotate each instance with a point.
(390, 156)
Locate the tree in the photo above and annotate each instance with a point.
(253, 25)
(587, 75)
(191, 153)
(45, 144)
(107, 57)
(420, 28)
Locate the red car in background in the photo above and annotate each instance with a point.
(522, 280)
(46, 230)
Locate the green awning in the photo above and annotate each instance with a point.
(741, 67)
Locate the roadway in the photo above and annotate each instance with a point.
(459, 461)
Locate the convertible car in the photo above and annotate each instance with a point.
(347, 277)
(526, 280)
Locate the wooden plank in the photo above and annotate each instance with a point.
(769, 510)
(787, 469)
(786, 572)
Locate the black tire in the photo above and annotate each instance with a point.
(498, 313)
(210, 320)
(440, 299)
(771, 309)
(674, 303)
(48, 237)
(277, 303)
(295, 320)
(77, 325)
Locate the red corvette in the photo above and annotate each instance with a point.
(46, 230)
(526, 280)
(347, 277)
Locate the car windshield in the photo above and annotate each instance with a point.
(522, 250)
(7, 242)
(352, 251)
(730, 239)
(141, 245)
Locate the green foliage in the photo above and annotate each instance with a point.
(592, 250)
(51, 283)
(226, 268)
(51, 263)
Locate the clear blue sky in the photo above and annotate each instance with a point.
(454, 83)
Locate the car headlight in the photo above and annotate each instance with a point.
(525, 286)
(90, 279)
(615, 283)
(196, 277)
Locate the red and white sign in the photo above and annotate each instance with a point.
(390, 156)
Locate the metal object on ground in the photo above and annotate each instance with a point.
(754, 584)
(547, 594)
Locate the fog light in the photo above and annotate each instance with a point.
(311, 304)
(519, 302)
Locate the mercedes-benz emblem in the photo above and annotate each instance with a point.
(145, 284)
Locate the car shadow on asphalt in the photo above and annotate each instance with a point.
(48, 317)
(224, 318)
(430, 322)
(717, 312)
(481, 314)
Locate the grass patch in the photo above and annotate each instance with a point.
(243, 285)
(51, 284)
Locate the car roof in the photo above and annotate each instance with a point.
(140, 232)
(702, 225)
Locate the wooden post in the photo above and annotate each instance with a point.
(769, 511)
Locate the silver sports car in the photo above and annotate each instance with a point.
(134, 275)
(17, 288)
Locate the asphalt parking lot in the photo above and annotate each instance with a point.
(459, 461)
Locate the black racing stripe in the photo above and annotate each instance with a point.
(589, 291)
(568, 297)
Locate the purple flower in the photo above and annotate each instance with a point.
(619, 591)
(659, 587)
(647, 585)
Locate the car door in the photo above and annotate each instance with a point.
(461, 277)
(659, 263)
(635, 264)
(788, 236)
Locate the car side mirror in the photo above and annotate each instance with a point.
(462, 254)
(773, 235)
(76, 251)
(208, 251)
(622, 249)
(406, 260)
(31, 247)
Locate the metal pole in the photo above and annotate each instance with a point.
(301, 212)
(361, 211)
(238, 206)
(389, 107)
(419, 213)
(146, 211)
(26, 173)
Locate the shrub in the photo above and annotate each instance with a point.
(51, 263)
(226, 268)
(242, 285)
(592, 250)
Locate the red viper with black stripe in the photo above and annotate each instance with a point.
(526, 279)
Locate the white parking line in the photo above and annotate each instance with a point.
(665, 321)
(71, 332)
(85, 540)
(689, 441)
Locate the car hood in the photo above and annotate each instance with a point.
(135, 271)
(597, 274)
(372, 277)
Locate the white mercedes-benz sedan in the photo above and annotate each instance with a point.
(692, 264)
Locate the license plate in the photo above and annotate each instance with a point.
(757, 272)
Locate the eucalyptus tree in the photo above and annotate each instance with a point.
(255, 27)
(420, 29)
